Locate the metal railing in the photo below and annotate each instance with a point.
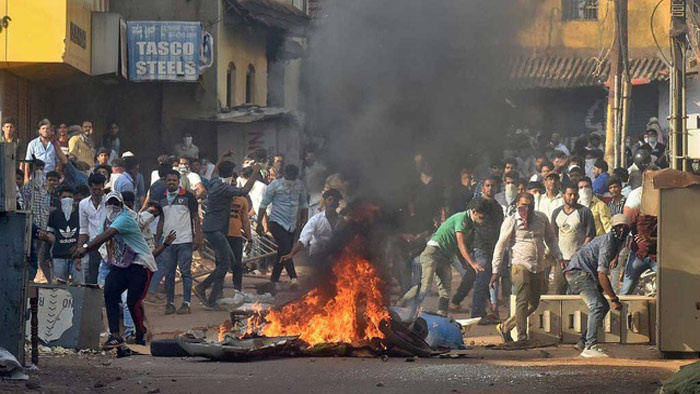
(263, 247)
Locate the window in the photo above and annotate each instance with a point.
(231, 86)
(579, 10)
(250, 85)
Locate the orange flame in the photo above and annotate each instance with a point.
(352, 314)
(224, 329)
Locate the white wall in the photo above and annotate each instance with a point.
(693, 104)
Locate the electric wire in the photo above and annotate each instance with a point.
(600, 60)
(653, 35)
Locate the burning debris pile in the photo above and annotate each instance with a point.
(351, 310)
(346, 317)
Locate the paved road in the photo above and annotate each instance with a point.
(487, 371)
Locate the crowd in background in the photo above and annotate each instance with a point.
(546, 217)
(102, 221)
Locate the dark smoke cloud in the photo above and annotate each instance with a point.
(389, 77)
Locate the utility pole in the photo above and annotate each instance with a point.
(619, 88)
(678, 134)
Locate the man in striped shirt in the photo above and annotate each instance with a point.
(617, 204)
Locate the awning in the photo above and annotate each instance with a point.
(270, 14)
(555, 72)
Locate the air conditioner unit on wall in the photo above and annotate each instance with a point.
(693, 126)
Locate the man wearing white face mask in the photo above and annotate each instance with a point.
(64, 224)
(131, 264)
(507, 197)
(657, 149)
(193, 179)
(186, 148)
(600, 210)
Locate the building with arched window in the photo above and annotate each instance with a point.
(231, 85)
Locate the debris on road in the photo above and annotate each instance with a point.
(521, 345)
(10, 368)
(686, 381)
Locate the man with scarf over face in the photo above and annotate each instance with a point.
(524, 235)
(587, 274)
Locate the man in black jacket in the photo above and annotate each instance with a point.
(215, 226)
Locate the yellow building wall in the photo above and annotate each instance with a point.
(543, 28)
(40, 32)
(36, 32)
(243, 46)
(79, 13)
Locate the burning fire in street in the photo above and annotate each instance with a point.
(351, 312)
(224, 329)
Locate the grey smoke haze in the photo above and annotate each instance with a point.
(389, 77)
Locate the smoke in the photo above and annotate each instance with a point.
(387, 78)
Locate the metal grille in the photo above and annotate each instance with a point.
(263, 246)
(678, 8)
(579, 10)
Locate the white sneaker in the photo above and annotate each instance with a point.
(293, 285)
(594, 352)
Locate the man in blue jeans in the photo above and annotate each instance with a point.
(587, 275)
(481, 245)
(215, 226)
(180, 214)
(642, 251)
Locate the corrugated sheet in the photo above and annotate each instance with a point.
(270, 13)
(527, 72)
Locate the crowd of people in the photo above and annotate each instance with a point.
(97, 221)
(549, 216)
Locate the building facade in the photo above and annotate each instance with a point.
(558, 70)
(247, 99)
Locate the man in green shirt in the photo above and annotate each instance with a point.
(448, 242)
(9, 136)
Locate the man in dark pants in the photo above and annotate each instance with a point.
(91, 217)
(288, 198)
(481, 247)
(587, 275)
(574, 226)
(239, 229)
(215, 226)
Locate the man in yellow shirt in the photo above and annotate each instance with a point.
(601, 211)
(81, 145)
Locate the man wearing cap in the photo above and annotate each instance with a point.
(131, 265)
(587, 275)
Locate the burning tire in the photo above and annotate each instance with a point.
(167, 348)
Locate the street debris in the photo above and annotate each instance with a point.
(522, 345)
(686, 381)
(33, 385)
(234, 349)
(10, 368)
(239, 299)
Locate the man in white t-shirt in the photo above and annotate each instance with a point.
(195, 182)
(574, 226)
(256, 193)
(154, 174)
(180, 214)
